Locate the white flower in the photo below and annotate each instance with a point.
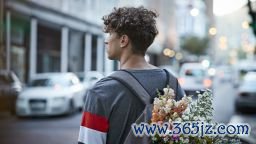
(190, 99)
(175, 114)
(167, 109)
(156, 101)
(154, 138)
(169, 103)
(178, 119)
(176, 103)
(185, 117)
(169, 92)
(201, 109)
(196, 118)
(166, 139)
(187, 111)
(164, 100)
(202, 119)
(186, 140)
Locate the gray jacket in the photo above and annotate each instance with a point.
(110, 107)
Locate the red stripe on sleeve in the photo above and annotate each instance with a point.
(95, 122)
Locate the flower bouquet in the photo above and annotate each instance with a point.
(167, 110)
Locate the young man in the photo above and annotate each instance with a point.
(110, 108)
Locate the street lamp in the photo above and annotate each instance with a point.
(194, 12)
(245, 25)
(212, 31)
(168, 52)
(223, 43)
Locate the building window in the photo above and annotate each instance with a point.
(19, 46)
(48, 49)
(76, 52)
(94, 53)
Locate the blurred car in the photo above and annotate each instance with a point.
(88, 79)
(246, 99)
(194, 77)
(51, 94)
(10, 87)
(241, 69)
(225, 73)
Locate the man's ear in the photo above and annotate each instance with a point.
(124, 41)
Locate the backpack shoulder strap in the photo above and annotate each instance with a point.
(173, 83)
(132, 84)
(170, 80)
(137, 89)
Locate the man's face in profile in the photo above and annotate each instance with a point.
(113, 46)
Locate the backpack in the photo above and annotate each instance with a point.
(129, 81)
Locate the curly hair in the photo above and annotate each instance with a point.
(138, 24)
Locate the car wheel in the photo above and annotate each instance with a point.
(80, 109)
(238, 109)
(71, 107)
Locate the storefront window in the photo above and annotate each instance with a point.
(19, 46)
(94, 52)
(76, 52)
(48, 49)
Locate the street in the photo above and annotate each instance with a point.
(223, 101)
(224, 110)
(64, 129)
(52, 51)
(50, 130)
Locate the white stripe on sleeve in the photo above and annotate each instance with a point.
(90, 136)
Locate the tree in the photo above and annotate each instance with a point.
(253, 22)
(253, 17)
(194, 45)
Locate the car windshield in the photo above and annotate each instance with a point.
(6, 79)
(195, 72)
(45, 82)
(249, 84)
(243, 72)
(92, 78)
(81, 78)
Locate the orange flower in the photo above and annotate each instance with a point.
(181, 107)
(154, 117)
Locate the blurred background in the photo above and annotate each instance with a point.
(52, 51)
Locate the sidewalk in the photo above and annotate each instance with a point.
(5, 115)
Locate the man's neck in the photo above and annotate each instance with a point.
(135, 62)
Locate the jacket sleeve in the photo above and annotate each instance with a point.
(94, 123)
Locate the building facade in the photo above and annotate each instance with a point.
(235, 39)
(55, 36)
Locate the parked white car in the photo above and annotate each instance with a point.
(51, 94)
(246, 99)
(241, 69)
(194, 77)
(88, 79)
